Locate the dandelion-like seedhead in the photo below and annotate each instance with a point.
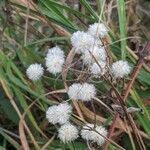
(68, 133)
(81, 41)
(120, 69)
(54, 60)
(88, 91)
(98, 68)
(98, 30)
(83, 92)
(59, 113)
(74, 91)
(35, 71)
(55, 51)
(54, 64)
(94, 52)
(89, 134)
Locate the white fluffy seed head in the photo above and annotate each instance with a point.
(54, 60)
(34, 71)
(98, 69)
(87, 91)
(98, 30)
(74, 91)
(54, 64)
(81, 41)
(88, 134)
(93, 53)
(67, 133)
(120, 69)
(83, 92)
(55, 51)
(59, 113)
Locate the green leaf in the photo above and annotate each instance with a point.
(7, 108)
(144, 77)
(142, 118)
(2, 148)
(144, 94)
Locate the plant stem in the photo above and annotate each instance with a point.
(125, 94)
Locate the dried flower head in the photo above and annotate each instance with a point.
(67, 133)
(98, 30)
(98, 68)
(87, 91)
(93, 53)
(120, 69)
(34, 71)
(74, 91)
(55, 51)
(84, 91)
(81, 41)
(55, 60)
(59, 113)
(89, 134)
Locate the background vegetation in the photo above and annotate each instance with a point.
(28, 29)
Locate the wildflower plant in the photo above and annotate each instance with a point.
(95, 63)
(81, 82)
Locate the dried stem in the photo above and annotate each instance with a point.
(122, 103)
(106, 138)
(26, 24)
(125, 94)
(111, 130)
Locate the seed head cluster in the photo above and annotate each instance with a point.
(34, 71)
(81, 41)
(98, 30)
(98, 68)
(59, 113)
(120, 69)
(93, 53)
(68, 133)
(83, 92)
(95, 134)
(54, 60)
(89, 47)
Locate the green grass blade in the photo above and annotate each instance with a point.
(89, 9)
(142, 118)
(122, 26)
(52, 39)
(24, 105)
(57, 12)
(55, 15)
(10, 140)
(68, 9)
(2, 148)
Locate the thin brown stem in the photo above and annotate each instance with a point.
(125, 94)
(111, 130)
(93, 107)
(134, 74)
(123, 105)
